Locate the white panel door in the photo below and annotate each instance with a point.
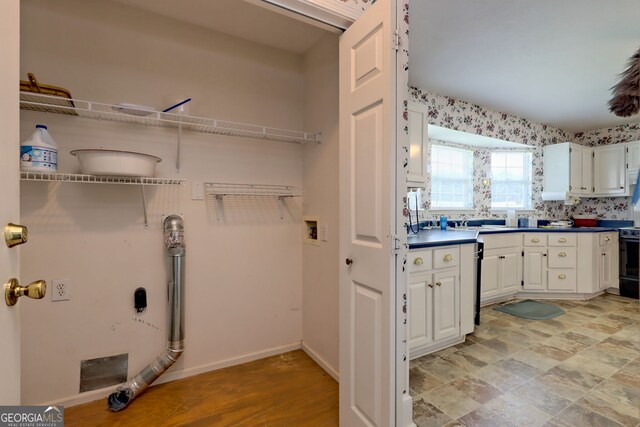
(609, 169)
(575, 168)
(535, 269)
(367, 186)
(10, 205)
(509, 272)
(446, 300)
(489, 276)
(587, 171)
(420, 309)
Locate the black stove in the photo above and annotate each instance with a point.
(629, 260)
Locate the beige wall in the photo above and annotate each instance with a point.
(243, 274)
(320, 263)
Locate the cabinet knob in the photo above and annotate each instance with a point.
(430, 285)
(562, 240)
(606, 238)
(562, 254)
(562, 276)
(348, 261)
(448, 257)
(438, 284)
(604, 254)
(622, 188)
(535, 240)
(418, 261)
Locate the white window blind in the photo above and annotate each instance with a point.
(511, 180)
(451, 178)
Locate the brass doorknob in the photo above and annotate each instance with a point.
(13, 291)
(15, 234)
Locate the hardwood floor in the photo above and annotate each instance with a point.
(285, 390)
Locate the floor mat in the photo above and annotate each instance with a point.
(530, 309)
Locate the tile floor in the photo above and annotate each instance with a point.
(578, 369)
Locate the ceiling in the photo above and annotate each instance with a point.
(240, 19)
(545, 60)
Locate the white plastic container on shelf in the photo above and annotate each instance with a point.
(39, 153)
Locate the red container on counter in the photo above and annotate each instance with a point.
(585, 220)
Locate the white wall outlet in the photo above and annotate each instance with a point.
(60, 289)
(197, 190)
(324, 233)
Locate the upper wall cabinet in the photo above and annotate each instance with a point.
(418, 146)
(633, 159)
(568, 169)
(581, 166)
(581, 171)
(609, 167)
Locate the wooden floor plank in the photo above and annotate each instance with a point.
(285, 390)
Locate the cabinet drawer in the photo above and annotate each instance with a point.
(419, 261)
(505, 240)
(561, 280)
(562, 257)
(535, 239)
(606, 239)
(562, 239)
(446, 257)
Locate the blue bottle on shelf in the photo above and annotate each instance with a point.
(443, 222)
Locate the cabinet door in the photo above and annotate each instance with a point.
(420, 309)
(509, 281)
(575, 169)
(605, 268)
(633, 157)
(489, 276)
(586, 186)
(609, 169)
(446, 303)
(418, 147)
(535, 266)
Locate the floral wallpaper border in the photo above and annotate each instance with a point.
(464, 116)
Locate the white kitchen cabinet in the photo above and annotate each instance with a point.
(609, 166)
(568, 168)
(534, 269)
(418, 146)
(440, 297)
(501, 266)
(633, 161)
(607, 261)
(581, 170)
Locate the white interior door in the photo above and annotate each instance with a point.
(367, 186)
(10, 205)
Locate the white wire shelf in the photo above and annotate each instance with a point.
(110, 112)
(220, 190)
(95, 179)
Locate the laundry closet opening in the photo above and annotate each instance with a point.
(253, 288)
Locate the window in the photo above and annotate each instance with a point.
(511, 180)
(451, 178)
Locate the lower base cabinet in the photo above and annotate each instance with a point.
(440, 299)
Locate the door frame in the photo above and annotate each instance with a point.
(10, 206)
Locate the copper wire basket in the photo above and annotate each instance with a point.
(59, 101)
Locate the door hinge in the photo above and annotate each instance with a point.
(396, 39)
(522, 253)
(522, 283)
(593, 155)
(571, 150)
(397, 245)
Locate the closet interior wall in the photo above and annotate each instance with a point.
(245, 274)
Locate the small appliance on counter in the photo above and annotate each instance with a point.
(585, 220)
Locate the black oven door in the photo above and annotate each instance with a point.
(629, 260)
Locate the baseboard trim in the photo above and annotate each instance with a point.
(320, 361)
(102, 393)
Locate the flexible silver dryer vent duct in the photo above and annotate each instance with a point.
(125, 393)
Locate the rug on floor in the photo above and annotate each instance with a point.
(530, 309)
